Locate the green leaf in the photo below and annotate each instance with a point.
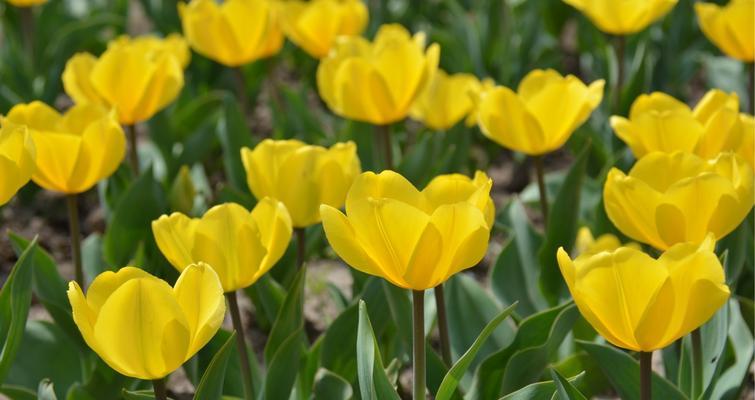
(17, 392)
(15, 300)
(624, 373)
(454, 375)
(341, 334)
(138, 394)
(234, 134)
(373, 381)
(290, 318)
(565, 390)
(329, 386)
(562, 228)
(46, 391)
(284, 367)
(732, 378)
(211, 385)
(267, 296)
(540, 390)
(143, 202)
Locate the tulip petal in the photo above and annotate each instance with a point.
(93, 164)
(174, 235)
(262, 165)
(465, 238)
(336, 171)
(630, 204)
(121, 76)
(303, 198)
(200, 295)
(107, 282)
(83, 316)
(363, 93)
(77, 82)
(505, 119)
(163, 87)
(387, 184)
(275, 228)
(422, 271)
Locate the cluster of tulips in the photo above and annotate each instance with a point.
(692, 183)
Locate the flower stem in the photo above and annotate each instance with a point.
(384, 136)
(246, 370)
(133, 150)
(445, 344)
(73, 223)
(646, 363)
(540, 171)
(697, 364)
(28, 28)
(620, 46)
(418, 303)
(161, 393)
(301, 246)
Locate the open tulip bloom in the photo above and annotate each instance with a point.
(142, 327)
(17, 157)
(315, 25)
(446, 100)
(730, 27)
(622, 17)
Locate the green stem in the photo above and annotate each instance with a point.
(27, 28)
(161, 392)
(620, 45)
(697, 364)
(384, 137)
(73, 223)
(246, 370)
(133, 149)
(540, 171)
(301, 246)
(646, 370)
(445, 344)
(418, 304)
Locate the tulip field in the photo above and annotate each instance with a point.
(377, 200)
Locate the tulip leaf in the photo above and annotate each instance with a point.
(284, 367)
(290, 318)
(211, 385)
(454, 375)
(565, 389)
(145, 394)
(373, 381)
(17, 392)
(341, 334)
(234, 134)
(46, 391)
(713, 339)
(729, 383)
(329, 386)
(143, 202)
(562, 228)
(623, 372)
(15, 300)
(541, 390)
(267, 296)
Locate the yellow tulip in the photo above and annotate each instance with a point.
(455, 188)
(586, 243)
(17, 155)
(659, 122)
(173, 44)
(142, 327)
(240, 245)
(476, 94)
(747, 147)
(541, 115)
(315, 25)
(622, 17)
(301, 176)
(644, 304)
(414, 240)
(377, 81)
(26, 3)
(136, 77)
(233, 33)
(446, 100)
(75, 150)
(730, 27)
(679, 197)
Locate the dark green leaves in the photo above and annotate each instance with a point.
(373, 381)
(211, 385)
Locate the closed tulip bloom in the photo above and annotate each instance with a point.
(26, 3)
(240, 245)
(17, 154)
(394, 231)
(315, 25)
(301, 176)
(730, 27)
(541, 115)
(142, 327)
(136, 77)
(232, 32)
(679, 197)
(622, 17)
(659, 122)
(644, 304)
(75, 150)
(377, 81)
(446, 100)
(586, 243)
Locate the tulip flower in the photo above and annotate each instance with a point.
(476, 94)
(586, 243)
(679, 197)
(232, 32)
(541, 115)
(173, 44)
(730, 27)
(622, 17)
(446, 100)
(17, 157)
(644, 304)
(315, 25)
(26, 3)
(137, 77)
(378, 81)
(142, 327)
(240, 245)
(301, 176)
(659, 122)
